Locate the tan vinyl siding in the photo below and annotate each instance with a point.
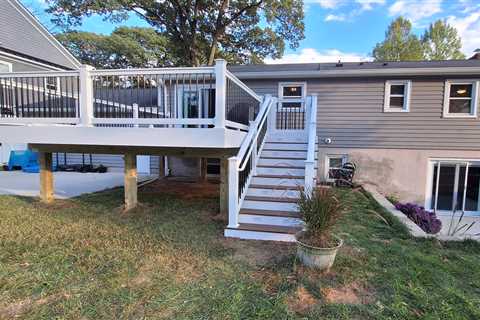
(350, 112)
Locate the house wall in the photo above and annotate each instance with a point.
(114, 162)
(19, 65)
(398, 172)
(391, 150)
(350, 112)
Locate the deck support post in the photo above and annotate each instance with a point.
(46, 177)
(203, 169)
(130, 180)
(224, 186)
(161, 167)
(233, 205)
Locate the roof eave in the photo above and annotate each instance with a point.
(450, 71)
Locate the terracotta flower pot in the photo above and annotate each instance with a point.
(318, 258)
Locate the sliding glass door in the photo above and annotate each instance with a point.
(455, 185)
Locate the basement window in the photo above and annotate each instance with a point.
(334, 163)
(461, 99)
(397, 96)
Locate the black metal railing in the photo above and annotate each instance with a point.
(290, 115)
(53, 96)
(154, 95)
(241, 106)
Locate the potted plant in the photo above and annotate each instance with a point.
(317, 246)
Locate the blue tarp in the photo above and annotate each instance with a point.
(23, 159)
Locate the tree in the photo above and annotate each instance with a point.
(201, 30)
(125, 47)
(400, 43)
(441, 42)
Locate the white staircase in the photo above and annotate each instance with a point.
(269, 210)
(267, 175)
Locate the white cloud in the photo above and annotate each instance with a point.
(368, 4)
(327, 4)
(334, 17)
(468, 28)
(311, 55)
(415, 10)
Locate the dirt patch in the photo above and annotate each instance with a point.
(183, 189)
(258, 253)
(353, 293)
(269, 280)
(17, 309)
(183, 267)
(57, 204)
(301, 301)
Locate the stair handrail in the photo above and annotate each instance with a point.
(312, 139)
(249, 149)
(247, 146)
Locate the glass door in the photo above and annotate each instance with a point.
(456, 186)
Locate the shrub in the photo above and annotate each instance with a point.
(426, 220)
(320, 210)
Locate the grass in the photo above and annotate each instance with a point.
(80, 259)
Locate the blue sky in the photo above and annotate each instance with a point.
(344, 30)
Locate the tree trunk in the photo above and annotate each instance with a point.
(213, 50)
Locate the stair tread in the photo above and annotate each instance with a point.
(284, 158)
(278, 176)
(273, 213)
(268, 228)
(286, 142)
(287, 150)
(272, 199)
(279, 166)
(272, 187)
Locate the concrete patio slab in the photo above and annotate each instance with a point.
(67, 184)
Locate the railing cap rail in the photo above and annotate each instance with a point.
(149, 71)
(39, 74)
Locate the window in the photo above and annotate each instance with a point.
(52, 83)
(292, 94)
(460, 99)
(5, 66)
(332, 163)
(397, 96)
(454, 184)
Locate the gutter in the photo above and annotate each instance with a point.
(442, 71)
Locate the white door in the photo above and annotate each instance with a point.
(143, 164)
(289, 116)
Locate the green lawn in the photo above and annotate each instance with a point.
(79, 259)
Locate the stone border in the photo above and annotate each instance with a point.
(412, 227)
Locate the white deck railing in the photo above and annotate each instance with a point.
(202, 97)
(311, 127)
(242, 167)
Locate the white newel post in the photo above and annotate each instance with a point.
(220, 92)
(86, 96)
(312, 140)
(233, 192)
(135, 114)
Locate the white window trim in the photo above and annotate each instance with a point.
(406, 95)
(327, 164)
(300, 99)
(429, 184)
(473, 104)
(8, 64)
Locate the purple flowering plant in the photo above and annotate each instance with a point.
(426, 220)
